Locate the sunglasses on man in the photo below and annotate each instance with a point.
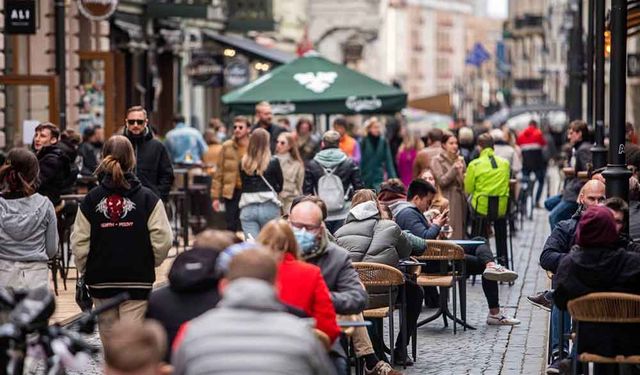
(135, 122)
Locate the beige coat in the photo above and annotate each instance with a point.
(293, 174)
(227, 172)
(452, 186)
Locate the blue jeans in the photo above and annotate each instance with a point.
(551, 202)
(563, 211)
(254, 216)
(555, 326)
(540, 175)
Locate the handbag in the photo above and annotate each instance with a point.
(83, 298)
(277, 200)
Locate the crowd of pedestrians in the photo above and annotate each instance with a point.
(300, 207)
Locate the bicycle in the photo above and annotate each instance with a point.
(28, 333)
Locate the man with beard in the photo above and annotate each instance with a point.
(264, 115)
(153, 165)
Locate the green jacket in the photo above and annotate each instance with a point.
(376, 159)
(483, 179)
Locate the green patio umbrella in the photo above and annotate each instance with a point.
(312, 84)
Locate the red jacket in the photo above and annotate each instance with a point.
(301, 285)
(531, 135)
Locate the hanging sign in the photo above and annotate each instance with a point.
(97, 10)
(237, 73)
(19, 16)
(205, 69)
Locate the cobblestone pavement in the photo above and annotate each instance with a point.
(493, 349)
(490, 349)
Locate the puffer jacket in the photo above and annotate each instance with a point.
(368, 238)
(249, 333)
(228, 172)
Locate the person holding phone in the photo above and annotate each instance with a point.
(479, 260)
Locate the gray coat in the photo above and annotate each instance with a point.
(250, 333)
(368, 238)
(347, 294)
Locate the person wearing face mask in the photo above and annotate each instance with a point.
(347, 293)
(90, 149)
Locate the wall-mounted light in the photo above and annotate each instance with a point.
(262, 66)
(229, 52)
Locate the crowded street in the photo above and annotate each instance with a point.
(320, 187)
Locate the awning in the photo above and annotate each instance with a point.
(440, 103)
(250, 47)
(314, 85)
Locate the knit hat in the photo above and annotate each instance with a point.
(596, 228)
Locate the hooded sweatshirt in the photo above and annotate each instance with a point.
(28, 230)
(336, 160)
(368, 238)
(192, 291)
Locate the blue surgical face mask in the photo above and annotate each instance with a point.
(306, 240)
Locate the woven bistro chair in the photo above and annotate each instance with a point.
(452, 273)
(381, 280)
(605, 307)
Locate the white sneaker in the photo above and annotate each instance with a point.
(499, 273)
(501, 320)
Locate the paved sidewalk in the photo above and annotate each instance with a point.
(490, 349)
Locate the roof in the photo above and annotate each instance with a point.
(248, 45)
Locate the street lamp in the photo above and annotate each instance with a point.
(617, 174)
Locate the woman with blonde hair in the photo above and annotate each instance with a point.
(262, 180)
(292, 169)
(120, 235)
(300, 284)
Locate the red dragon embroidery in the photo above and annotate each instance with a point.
(115, 207)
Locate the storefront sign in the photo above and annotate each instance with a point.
(205, 69)
(359, 104)
(283, 108)
(97, 10)
(633, 65)
(237, 73)
(20, 16)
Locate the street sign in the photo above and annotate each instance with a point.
(97, 10)
(20, 16)
(633, 64)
